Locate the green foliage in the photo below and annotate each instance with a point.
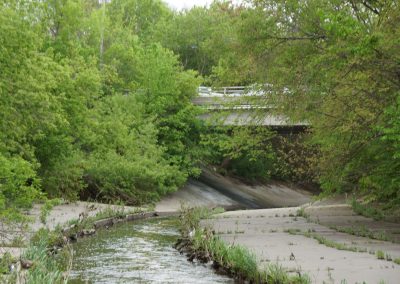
(366, 210)
(338, 61)
(45, 268)
(96, 97)
(19, 187)
(206, 40)
(296, 159)
(380, 254)
(5, 262)
(91, 109)
(236, 260)
(277, 274)
(243, 151)
(47, 238)
(47, 207)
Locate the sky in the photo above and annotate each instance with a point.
(182, 4)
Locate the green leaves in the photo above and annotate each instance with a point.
(90, 107)
(19, 187)
(338, 59)
(244, 151)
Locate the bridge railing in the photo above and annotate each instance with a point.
(237, 90)
(233, 97)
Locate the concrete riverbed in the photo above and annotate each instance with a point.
(303, 246)
(280, 225)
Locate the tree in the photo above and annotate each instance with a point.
(339, 61)
(72, 83)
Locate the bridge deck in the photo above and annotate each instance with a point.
(240, 106)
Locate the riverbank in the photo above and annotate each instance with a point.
(59, 215)
(210, 190)
(325, 240)
(45, 253)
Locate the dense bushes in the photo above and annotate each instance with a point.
(87, 108)
(242, 151)
(332, 64)
(93, 104)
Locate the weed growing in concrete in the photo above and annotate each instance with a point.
(363, 231)
(302, 213)
(397, 261)
(293, 231)
(367, 211)
(236, 260)
(380, 254)
(277, 274)
(330, 243)
(324, 241)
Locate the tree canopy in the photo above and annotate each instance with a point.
(90, 107)
(96, 95)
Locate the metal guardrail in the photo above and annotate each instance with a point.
(225, 98)
(233, 91)
(222, 90)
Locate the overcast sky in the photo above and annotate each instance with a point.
(182, 4)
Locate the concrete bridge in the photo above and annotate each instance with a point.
(242, 106)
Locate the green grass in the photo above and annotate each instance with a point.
(235, 259)
(397, 261)
(302, 213)
(50, 265)
(5, 262)
(277, 274)
(47, 268)
(380, 254)
(293, 231)
(366, 210)
(363, 231)
(324, 241)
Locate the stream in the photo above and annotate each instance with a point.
(139, 252)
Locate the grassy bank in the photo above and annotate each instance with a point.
(237, 261)
(48, 257)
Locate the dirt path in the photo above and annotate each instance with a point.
(280, 236)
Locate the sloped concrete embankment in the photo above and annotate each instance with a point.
(214, 190)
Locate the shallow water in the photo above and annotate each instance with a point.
(139, 252)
